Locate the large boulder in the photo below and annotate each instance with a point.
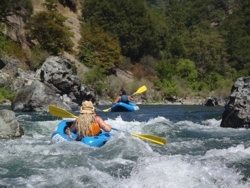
(36, 97)
(9, 126)
(237, 109)
(58, 72)
(55, 83)
(10, 65)
(214, 101)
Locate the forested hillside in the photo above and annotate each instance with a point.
(176, 48)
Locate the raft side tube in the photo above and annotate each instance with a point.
(59, 135)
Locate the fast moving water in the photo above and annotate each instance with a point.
(199, 153)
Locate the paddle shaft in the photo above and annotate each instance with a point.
(153, 139)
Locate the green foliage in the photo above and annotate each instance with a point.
(11, 48)
(214, 80)
(207, 51)
(237, 31)
(168, 87)
(223, 90)
(176, 16)
(204, 43)
(38, 56)
(125, 64)
(47, 27)
(128, 21)
(97, 48)
(199, 86)
(164, 70)
(5, 94)
(241, 73)
(95, 78)
(211, 38)
(186, 69)
(177, 48)
(2, 25)
(50, 5)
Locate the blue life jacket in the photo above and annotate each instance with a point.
(124, 98)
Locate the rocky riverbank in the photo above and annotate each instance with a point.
(236, 114)
(55, 83)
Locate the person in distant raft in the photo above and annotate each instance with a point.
(88, 123)
(123, 97)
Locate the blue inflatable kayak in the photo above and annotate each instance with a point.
(97, 141)
(124, 107)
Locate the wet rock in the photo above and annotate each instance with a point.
(9, 126)
(237, 108)
(215, 101)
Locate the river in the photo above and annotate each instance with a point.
(198, 154)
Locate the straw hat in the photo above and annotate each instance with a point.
(87, 108)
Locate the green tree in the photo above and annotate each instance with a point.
(128, 21)
(97, 48)
(177, 47)
(48, 29)
(95, 78)
(164, 70)
(237, 34)
(207, 50)
(186, 69)
(214, 80)
(176, 13)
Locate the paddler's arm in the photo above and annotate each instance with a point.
(104, 126)
(117, 99)
(69, 133)
(130, 98)
(73, 126)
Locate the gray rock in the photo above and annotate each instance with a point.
(9, 126)
(104, 102)
(2, 62)
(6, 81)
(58, 72)
(237, 108)
(215, 101)
(54, 83)
(36, 97)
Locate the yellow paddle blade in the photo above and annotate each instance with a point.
(107, 110)
(141, 90)
(153, 139)
(56, 111)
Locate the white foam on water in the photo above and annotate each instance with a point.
(128, 126)
(76, 165)
(212, 122)
(24, 117)
(182, 171)
(232, 154)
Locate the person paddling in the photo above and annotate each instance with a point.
(123, 97)
(88, 123)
